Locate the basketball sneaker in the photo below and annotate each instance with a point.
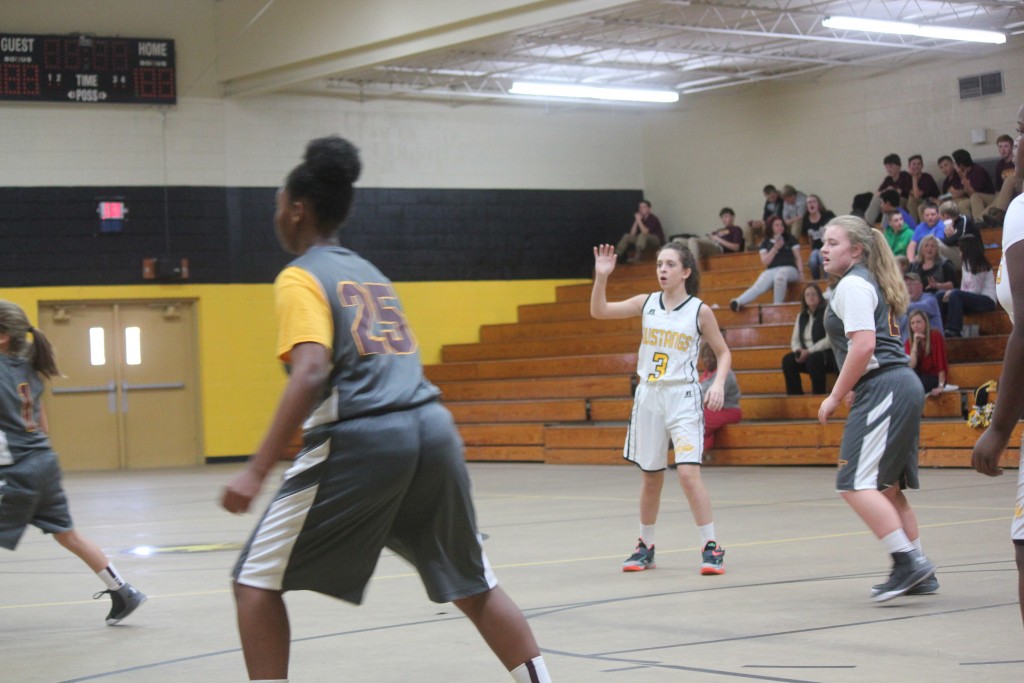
(125, 600)
(713, 559)
(641, 559)
(908, 569)
(928, 586)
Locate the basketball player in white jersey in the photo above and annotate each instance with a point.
(668, 402)
(1010, 404)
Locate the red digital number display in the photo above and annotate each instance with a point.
(84, 68)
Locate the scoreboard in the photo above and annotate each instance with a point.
(88, 69)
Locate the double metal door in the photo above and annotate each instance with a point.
(128, 396)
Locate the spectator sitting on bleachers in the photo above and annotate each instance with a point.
(1004, 167)
(891, 202)
(815, 219)
(950, 180)
(895, 179)
(811, 349)
(897, 234)
(772, 207)
(954, 226)
(646, 231)
(780, 254)
(937, 273)
(927, 351)
(794, 207)
(728, 239)
(931, 224)
(919, 301)
(977, 291)
(924, 188)
(730, 412)
(974, 180)
(904, 263)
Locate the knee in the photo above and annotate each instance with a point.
(689, 477)
(68, 539)
(789, 362)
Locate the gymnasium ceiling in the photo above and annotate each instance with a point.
(691, 46)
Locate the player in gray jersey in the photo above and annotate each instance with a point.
(382, 463)
(878, 455)
(30, 476)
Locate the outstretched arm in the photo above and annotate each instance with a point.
(600, 307)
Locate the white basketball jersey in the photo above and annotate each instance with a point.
(1013, 232)
(671, 341)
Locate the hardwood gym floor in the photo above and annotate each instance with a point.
(793, 605)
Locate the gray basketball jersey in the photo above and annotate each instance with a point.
(20, 389)
(888, 343)
(376, 361)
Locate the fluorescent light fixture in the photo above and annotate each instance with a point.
(593, 93)
(921, 30)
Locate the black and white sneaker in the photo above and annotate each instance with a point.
(125, 600)
(927, 587)
(908, 569)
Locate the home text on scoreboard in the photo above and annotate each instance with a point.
(86, 68)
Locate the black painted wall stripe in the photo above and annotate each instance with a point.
(49, 236)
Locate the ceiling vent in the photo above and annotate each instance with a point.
(981, 85)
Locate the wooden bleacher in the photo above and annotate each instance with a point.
(556, 386)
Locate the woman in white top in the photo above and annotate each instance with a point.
(669, 402)
(977, 291)
(1010, 405)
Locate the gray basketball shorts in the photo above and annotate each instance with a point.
(880, 440)
(31, 493)
(397, 480)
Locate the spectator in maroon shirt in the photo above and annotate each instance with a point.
(950, 180)
(645, 232)
(726, 240)
(1004, 167)
(922, 190)
(976, 183)
(896, 179)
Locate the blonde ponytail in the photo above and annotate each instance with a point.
(882, 264)
(879, 260)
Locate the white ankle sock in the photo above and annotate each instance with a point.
(897, 542)
(647, 534)
(110, 577)
(707, 533)
(533, 671)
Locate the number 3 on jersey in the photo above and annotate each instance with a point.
(660, 365)
(380, 326)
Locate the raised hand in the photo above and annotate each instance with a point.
(604, 259)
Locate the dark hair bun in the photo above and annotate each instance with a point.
(335, 158)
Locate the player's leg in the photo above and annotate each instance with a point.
(435, 529)
(264, 630)
(696, 493)
(879, 449)
(1019, 551)
(84, 549)
(504, 629)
